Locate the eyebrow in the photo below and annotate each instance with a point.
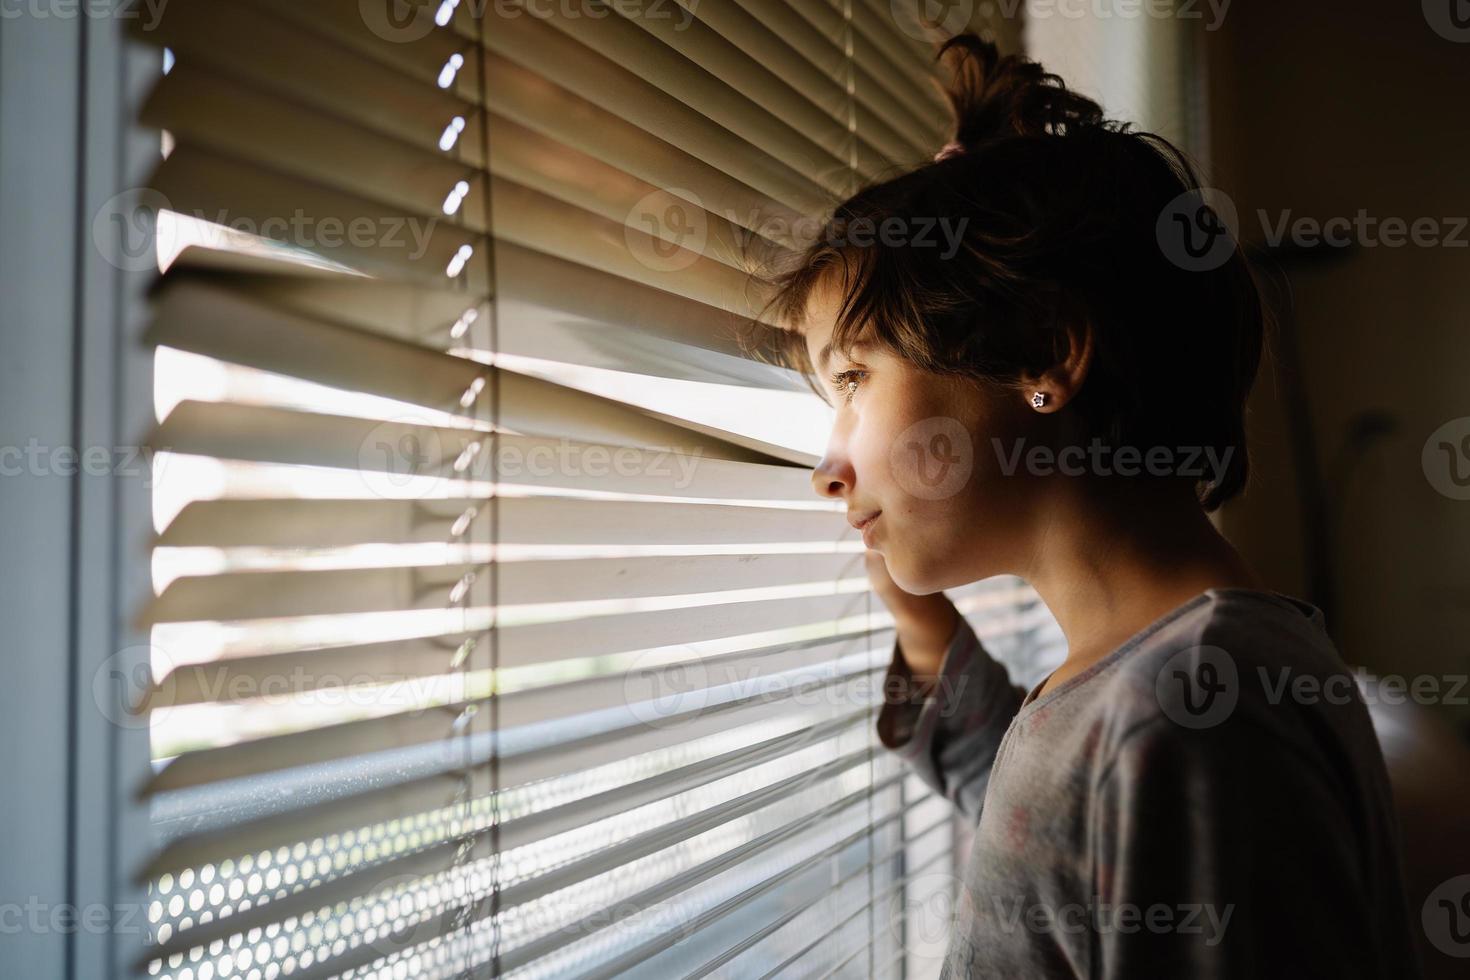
(826, 352)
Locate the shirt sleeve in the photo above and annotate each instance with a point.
(949, 731)
(1227, 853)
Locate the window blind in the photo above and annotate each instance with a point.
(474, 651)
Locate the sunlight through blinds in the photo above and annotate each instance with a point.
(498, 630)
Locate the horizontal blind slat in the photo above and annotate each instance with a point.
(649, 897)
(236, 328)
(528, 645)
(532, 405)
(524, 520)
(658, 943)
(827, 52)
(649, 842)
(550, 308)
(439, 857)
(866, 907)
(371, 85)
(236, 596)
(813, 885)
(389, 240)
(715, 69)
(815, 67)
(892, 887)
(906, 83)
(646, 678)
(407, 311)
(589, 125)
(432, 118)
(774, 170)
(727, 187)
(208, 109)
(433, 725)
(278, 435)
(910, 58)
(538, 644)
(200, 107)
(553, 308)
(205, 184)
(383, 804)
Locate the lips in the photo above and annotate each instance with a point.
(861, 521)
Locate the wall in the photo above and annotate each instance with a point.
(1320, 111)
(73, 380)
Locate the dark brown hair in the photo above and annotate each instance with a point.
(1061, 212)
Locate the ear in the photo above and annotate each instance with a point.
(1061, 382)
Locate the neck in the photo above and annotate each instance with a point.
(1109, 560)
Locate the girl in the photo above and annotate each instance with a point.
(1062, 398)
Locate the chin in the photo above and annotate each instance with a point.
(914, 581)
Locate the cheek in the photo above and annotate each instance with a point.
(940, 464)
(933, 465)
(871, 446)
(924, 455)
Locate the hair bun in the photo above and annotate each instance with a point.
(995, 96)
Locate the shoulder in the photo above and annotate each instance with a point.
(1236, 671)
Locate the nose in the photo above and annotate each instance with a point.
(832, 477)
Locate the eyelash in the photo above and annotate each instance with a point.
(842, 379)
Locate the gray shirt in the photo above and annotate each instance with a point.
(1207, 801)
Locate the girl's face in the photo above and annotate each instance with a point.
(917, 449)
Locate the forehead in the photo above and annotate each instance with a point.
(819, 321)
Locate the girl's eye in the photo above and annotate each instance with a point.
(846, 383)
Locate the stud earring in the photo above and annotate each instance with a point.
(1038, 399)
